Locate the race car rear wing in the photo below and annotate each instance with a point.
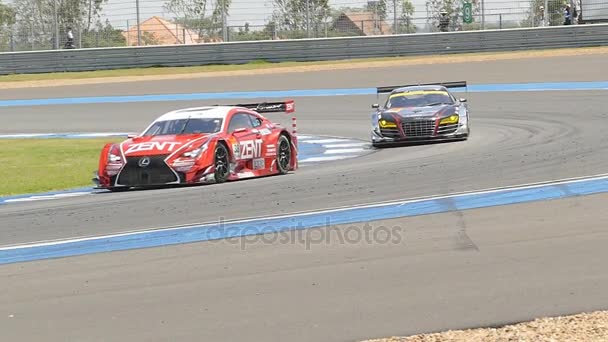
(288, 106)
(388, 89)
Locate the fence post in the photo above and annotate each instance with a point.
(33, 37)
(395, 23)
(224, 24)
(138, 24)
(55, 25)
(308, 18)
(546, 14)
(483, 15)
(500, 21)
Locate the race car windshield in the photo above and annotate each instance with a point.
(418, 99)
(185, 126)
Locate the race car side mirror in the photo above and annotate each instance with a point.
(375, 106)
(463, 100)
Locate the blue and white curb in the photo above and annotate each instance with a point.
(165, 236)
(328, 149)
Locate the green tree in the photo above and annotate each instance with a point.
(103, 36)
(219, 11)
(291, 14)
(36, 24)
(193, 14)
(378, 7)
(7, 18)
(534, 15)
(405, 10)
(7, 15)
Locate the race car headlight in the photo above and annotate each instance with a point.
(114, 155)
(196, 152)
(387, 124)
(449, 120)
(114, 159)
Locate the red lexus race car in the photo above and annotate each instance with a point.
(210, 144)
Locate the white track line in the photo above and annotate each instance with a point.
(323, 159)
(360, 144)
(344, 151)
(45, 197)
(324, 141)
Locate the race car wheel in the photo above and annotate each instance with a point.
(222, 164)
(284, 155)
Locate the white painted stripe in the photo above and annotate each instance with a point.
(46, 197)
(21, 135)
(343, 150)
(97, 134)
(344, 145)
(324, 141)
(323, 159)
(325, 211)
(62, 135)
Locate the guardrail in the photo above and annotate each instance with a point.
(305, 49)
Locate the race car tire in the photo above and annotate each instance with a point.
(222, 163)
(283, 155)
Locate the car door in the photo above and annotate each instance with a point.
(248, 150)
(269, 148)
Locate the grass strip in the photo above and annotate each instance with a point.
(39, 165)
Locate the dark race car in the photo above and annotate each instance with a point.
(420, 113)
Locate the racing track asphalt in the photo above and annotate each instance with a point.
(459, 269)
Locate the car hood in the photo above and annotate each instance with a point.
(431, 111)
(161, 144)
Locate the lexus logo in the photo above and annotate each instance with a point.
(143, 162)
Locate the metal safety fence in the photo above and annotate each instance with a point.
(31, 25)
(305, 49)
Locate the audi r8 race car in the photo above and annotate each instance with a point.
(210, 144)
(420, 113)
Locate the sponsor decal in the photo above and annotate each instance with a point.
(236, 150)
(251, 149)
(271, 150)
(289, 106)
(265, 131)
(259, 163)
(152, 146)
(263, 106)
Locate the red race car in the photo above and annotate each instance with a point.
(210, 144)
